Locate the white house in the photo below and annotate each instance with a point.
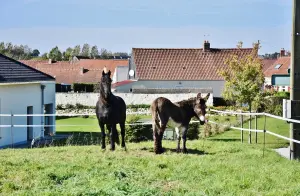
(24, 90)
(179, 68)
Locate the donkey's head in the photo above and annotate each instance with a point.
(200, 108)
(105, 83)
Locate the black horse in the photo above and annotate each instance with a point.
(110, 111)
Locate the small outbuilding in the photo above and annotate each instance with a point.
(24, 90)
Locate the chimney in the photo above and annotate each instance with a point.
(206, 46)
(282, 52)
(49, 61)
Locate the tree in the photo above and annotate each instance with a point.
(120, 54)
(76, 50)
(85, 50)
(55, 54)
(244, 78)
(94, 52)
(67, 55)
(105, 53)
(2, 48)
(35, 53)
(45, 55)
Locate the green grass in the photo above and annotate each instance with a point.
(91, 121)
(211, 168)
(274, 125)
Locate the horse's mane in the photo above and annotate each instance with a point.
(189, 101)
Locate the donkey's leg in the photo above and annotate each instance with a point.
(103, 135)
(178, 138)
(163, 126)
(122, 126)
(184, 132)
(155, 138)
(113, 136)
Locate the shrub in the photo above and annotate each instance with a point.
(69, 106)
(137, 133)
(193, 131)
(59, 107)
(85, 87)
(215, 129)
(206, 131)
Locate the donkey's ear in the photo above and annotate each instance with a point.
(103, 73)
(199, 96)
(207, 96)
(109, 73)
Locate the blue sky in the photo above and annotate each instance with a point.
(119, 25)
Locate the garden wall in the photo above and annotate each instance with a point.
(90, 99)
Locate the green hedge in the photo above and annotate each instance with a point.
(86, 87)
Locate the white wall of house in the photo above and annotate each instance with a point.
(268, 81)
(15, 98)
(90, 99)
(120, 74)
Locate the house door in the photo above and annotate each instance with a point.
(29, 122)
(49, 120)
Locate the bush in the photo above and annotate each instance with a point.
(206, 131)
(85, 87)
(69, 106)
(193, 131)
(215, 129)
(136, 106)
(137, 133)
(59, 107)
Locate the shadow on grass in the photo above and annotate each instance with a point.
(190, 151)
(224, 140)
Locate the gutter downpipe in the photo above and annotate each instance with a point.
(42, 108)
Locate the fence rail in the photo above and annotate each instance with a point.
(149, 123)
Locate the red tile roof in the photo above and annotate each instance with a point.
(267, 63)
(117, 84)
(65, 72)
(283, 69)
(182, 64)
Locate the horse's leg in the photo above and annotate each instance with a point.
(113, 136)
(184, 132)
(178, 138)
(122, 126)
(163, 125)
(155, 138)
(103, 135)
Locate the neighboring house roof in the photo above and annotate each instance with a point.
(280, 66)
(267, 63)
(181, 63)
(117, 84)
(84, 71)
(14, 71)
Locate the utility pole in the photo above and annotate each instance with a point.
(295, 81)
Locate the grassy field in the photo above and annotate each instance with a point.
(91, 122)
(274, 125)
(219, 165)
(211, 168)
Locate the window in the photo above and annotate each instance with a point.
(277, 66)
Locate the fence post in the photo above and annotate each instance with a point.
(255, 129)
(249, 137)
(11, 130)
(242, 126)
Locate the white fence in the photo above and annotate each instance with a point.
(149, 123)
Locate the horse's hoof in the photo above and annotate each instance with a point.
(178, 150)
(103, 147)
(185, 151)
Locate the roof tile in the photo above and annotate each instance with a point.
(182, 64)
